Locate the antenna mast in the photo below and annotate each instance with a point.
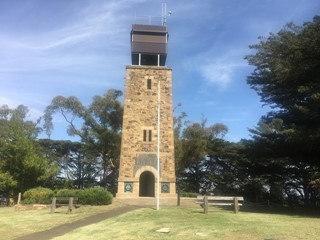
(165, 14)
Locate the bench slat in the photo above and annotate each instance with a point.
(225, 198)
(222, 204)
(217, 198)
(219, 204)
(65, 198)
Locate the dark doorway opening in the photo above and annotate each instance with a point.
(146, 184)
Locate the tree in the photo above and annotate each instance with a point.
(99, 131)
(224, 173)
(194, 141)
(78, 168)
(193, 153)
(287, 78)
(22, 165)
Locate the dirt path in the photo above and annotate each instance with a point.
(65, 228)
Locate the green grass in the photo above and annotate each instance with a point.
(19, 223)
(184, 223)
(189, 223)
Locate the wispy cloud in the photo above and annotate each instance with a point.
(7, 101)
(86, 52)
(67, 46)
(220, 72)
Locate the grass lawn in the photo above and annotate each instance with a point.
(184, 223)
(191, 223)
(14, 224)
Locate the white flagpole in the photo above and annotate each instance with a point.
(158, 162)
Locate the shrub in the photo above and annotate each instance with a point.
(67, 193)
(89, 196)
(38, 195)
(189, 194)
(95, 196)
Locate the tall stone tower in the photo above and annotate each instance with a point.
(147, 148)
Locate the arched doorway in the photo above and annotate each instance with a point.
(146, 184)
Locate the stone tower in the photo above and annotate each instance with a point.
(147, 131)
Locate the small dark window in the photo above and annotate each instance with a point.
(149, 84)
(147, 135)
(144, 135)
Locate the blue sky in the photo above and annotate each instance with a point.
(81, 47)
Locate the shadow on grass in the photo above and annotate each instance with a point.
(295, 211)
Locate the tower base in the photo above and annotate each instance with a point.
(147, 201)
(135, 188)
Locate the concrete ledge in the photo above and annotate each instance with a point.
(146, 201)
(20, 207)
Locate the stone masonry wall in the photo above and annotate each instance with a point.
(140, 113)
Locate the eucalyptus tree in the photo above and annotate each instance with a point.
(98, 126)
(22, 164)
(195, 142)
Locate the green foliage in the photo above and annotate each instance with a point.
(67, 193)
(95, 196)
(100, 129)
(88, 196)
(78, 166)
(22, 165)
(284, 152)
(287, 78)
(200, 148)
(189, 194)
(225, 171)
(315, 184)
(38, 195)
(7, 182)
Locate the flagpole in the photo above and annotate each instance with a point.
(158, 160)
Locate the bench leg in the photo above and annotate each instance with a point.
(53, 205)
(70, 205)
(236, 205)
(206, 205)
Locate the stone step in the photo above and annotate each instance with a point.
(147, 201)
(151, 201)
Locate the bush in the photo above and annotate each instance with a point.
(89, 196)
(67, 193)
(96, 196)
(37, 195)
(189, 194)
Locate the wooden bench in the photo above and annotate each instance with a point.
(63, 201)
(206, 201)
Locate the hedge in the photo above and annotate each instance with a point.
(189, 194)
(37, 195)
(88, 196)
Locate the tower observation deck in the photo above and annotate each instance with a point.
(149, 45)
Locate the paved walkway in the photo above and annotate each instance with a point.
(65, 228)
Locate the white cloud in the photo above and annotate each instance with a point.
(220, 72)
(99, 28)
(10, 102)
(217, 74)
